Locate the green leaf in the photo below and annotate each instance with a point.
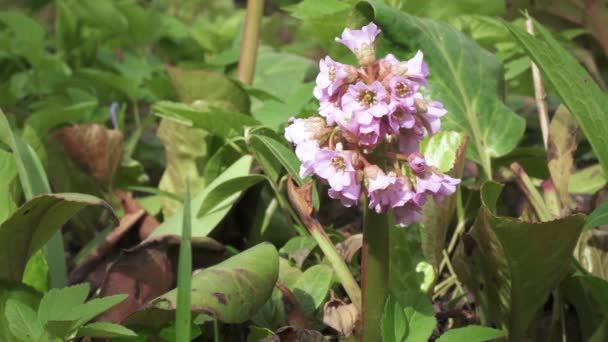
(465, 77)
(575, 87)
(186, 152)
(471, 333)
(22, 321)
(215, 121)
(17, 292)
(36, 273)
(408, 301)
(105, 329)
(192, 85)
(58, 303)
(31, 173)
(598, 217)
(314, 9)
(123, 85)
(227, 189)
(8, 173)
(440, 149)
(204, 225)
(511, 266)
(441, 9)
(258, 333)
(587, 181)
(312, 288)
(27, 35)
(234, 290)
(409, 320)
(33, 224)
(282, 154)
(598, 288)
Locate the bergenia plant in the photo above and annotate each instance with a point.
(366, 145)
(367, 138)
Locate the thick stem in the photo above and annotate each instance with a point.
(374, 272)
(249, 43)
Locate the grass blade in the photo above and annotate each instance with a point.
(184, 274)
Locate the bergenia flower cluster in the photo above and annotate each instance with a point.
(376, 112)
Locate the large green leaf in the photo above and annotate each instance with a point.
(575, 87)
(511, 266)
(465, 77)
(234, 290)
(192, 85)
(312, 288)
(33, 224)
(201, 226)
(215, 197)
(270, 153)
(22, 322)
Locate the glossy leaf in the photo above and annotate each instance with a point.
(204, 225)
(598, 217)
(440, 149)
(284, 155)
(575, 87)
(465, 77)
(511, 266)
(215, 121)
(33, 224)
(312, 287)
(225, 190)
(471, 333)
(233, 290)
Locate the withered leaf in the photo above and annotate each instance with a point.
(340, 316)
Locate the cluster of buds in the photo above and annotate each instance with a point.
(375, 112)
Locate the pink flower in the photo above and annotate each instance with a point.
(417, 69)
(402, 89)
(385, 191)
(330, 111)
(348, 196)
(417, 163)
(361, 42)
(437, 185)
(367, 100)
(409, 139)
(336, 167)
(302, 130)
(407, 214)
(430, 113)
(331, 77)
(306, 153)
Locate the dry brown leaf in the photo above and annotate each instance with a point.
(349, 247)
(340, 316)
(563, 141)
(149, 270)
(293, 311)
(300, 197)
(93, 147)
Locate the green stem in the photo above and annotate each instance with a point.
(375, 269)
(249, 43)
(535, 198)
(184, 274)
(335, 260)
